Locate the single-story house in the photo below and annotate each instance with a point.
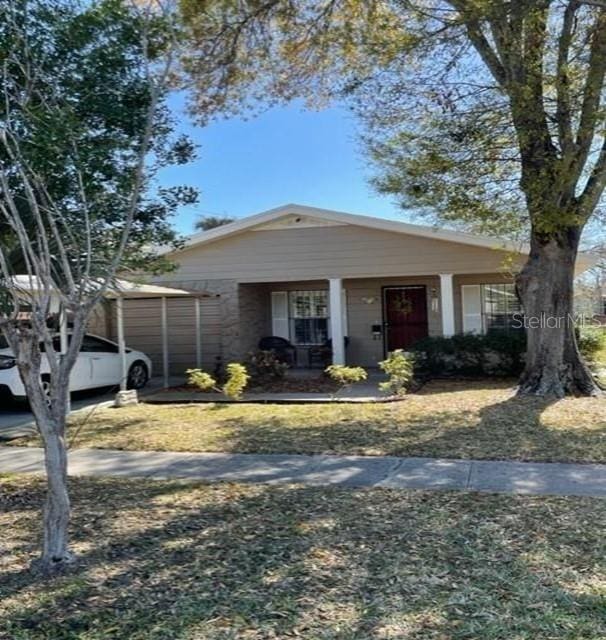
(368, 285)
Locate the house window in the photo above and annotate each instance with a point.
(308, 317)
(490, 307)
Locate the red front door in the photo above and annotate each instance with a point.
(405, 316)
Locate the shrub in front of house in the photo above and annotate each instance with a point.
(345, 376)
(591, 342)
(265, 366)
(233, 388)
(498, 353)
(237, 379)
(399, 367)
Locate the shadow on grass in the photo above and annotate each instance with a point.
(180, 561)
(514, 428)
(454, 426)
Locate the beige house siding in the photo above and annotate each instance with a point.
(143, 331)
(323, 252)
(243, 270)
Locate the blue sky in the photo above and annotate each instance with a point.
(284, 155)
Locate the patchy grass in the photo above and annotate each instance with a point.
(168, 560)
(447, 419)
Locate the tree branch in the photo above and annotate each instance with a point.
(592, 94)
(563, 109)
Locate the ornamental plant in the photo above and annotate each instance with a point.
(265, 365)
(200, 379)
(237, 379)
(399, 369)
(345, 376)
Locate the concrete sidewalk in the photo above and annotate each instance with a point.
(356, 471)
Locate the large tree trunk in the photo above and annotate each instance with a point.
(554, 366)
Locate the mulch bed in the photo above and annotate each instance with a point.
(319, 384)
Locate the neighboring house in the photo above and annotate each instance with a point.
(369, 285)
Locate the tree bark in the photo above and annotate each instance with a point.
(554, 366)
(55, 551)
(51, 422)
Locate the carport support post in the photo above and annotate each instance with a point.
(198, 334)
(121, 344)
(165, 341)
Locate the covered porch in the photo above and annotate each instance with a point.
(361, 320)
(355, 321)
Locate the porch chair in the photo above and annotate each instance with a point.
(323, 353)
(284, 350)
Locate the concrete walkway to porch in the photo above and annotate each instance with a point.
(356, 471)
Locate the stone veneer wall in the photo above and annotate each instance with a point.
(255, 315)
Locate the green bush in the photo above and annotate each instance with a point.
(265, 365)
(591, 341)
(237, 379)
(345, 376)
(498, 353)
(200, 379)
(399, 368)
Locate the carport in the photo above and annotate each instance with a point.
(126, 290)
(123, 290)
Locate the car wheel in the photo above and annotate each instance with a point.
(137, 375)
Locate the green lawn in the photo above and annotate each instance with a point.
(461, 419)
(164, 560)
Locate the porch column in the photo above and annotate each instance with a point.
(447, 304)
(337, 329)
(198, 335)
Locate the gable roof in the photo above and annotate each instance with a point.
(586, 260)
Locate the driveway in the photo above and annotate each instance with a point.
(16, 420)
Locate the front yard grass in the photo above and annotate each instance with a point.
(168, 560)
(456, 419)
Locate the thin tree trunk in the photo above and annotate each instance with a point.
(554, 366)
(55, 552)
(51, 425)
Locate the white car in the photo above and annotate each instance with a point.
(98, 365)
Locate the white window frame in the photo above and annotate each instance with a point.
(292, 316)
(474, 315)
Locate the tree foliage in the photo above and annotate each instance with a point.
(448, 91)
(206, 223)
(75, 101)
(83, 129)
(480, 112)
